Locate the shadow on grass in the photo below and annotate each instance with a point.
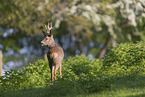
(132, 81)
(33, 92)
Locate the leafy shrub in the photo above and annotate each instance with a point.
(80, 74)
(88, 73)
(81, 64)
(126, 59)
(33, 75)
(127, 54)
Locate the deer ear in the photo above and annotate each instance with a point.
(43, 32)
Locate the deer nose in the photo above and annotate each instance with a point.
(41, 41)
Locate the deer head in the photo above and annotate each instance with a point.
(48, 37)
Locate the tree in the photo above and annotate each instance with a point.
(119, 18)
(82, 27)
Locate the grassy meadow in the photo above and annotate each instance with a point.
(120, 74)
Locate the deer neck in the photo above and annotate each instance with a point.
(53, 44)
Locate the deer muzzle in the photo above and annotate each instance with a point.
(42, 43)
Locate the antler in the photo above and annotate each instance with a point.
(48, 28)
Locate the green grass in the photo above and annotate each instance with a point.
(128, 86)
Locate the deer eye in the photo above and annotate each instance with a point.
(47, 38)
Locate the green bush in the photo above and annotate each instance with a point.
(87, 73)
(33, 75)
(80, 74)
(126, 54)
(126, 59)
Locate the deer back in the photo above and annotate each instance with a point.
(55, 54)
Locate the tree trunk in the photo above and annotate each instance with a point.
(80, 46)
(1, 63)
(105, 47)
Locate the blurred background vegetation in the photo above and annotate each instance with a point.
(84, 27)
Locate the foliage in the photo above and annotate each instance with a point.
(126, 54)
(126, 59)
(74, 79)
(25, 77)
(76, 23)
(80, 74)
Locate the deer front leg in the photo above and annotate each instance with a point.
(52, 74)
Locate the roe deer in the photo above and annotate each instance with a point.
(55, 54)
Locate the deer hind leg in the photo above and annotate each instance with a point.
(55, 73)
(56, 68)
(58, 65)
